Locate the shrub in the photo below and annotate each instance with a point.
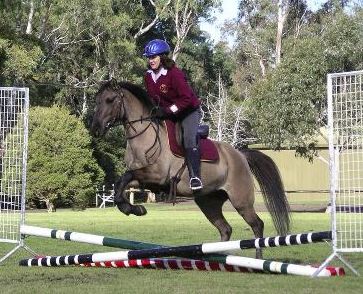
(61, 169)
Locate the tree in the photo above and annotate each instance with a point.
(227, 119)
(61, 168)
(255, 30)
(288, 107)
(185, 14)
(159, 10)
(62, 49)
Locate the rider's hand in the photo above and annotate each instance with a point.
(160, 113)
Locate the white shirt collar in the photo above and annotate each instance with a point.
(163, 71)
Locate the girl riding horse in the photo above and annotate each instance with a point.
(167, 86)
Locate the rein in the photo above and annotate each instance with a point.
(156, 128)
(131, 122)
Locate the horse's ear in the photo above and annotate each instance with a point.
(114, 83)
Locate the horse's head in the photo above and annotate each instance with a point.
(109, 108)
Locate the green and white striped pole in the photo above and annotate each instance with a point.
(85, 238)
(158, 251)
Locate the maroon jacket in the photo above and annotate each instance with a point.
(172, 92)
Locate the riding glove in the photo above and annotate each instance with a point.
(160, 113)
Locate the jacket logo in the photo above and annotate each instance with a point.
(164, 88)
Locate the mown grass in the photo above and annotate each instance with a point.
(174, 225)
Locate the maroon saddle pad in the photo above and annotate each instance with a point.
(208, 149)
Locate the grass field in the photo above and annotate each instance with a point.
(174, 225)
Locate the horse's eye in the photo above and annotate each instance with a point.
(110, 99)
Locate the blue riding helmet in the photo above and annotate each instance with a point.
(156, 47)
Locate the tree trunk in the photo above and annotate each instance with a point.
(84, 104)
(44, 19)
(262, 66)
(184, 18)
(283, 7)
(29, 27)
(50, 206)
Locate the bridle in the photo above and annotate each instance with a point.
(152, 122)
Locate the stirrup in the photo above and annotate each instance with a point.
(195, 183)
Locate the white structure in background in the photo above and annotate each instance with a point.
(14, 105)
(345, 120)
(108, 196)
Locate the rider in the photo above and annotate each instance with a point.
(166, 84)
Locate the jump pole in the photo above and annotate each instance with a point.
(199, 249)
(188, 264)
(95, 239)
(254, 264)
(170, 263)
(85, 238)
(205, 248)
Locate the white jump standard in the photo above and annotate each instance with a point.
(345, 125)
(14, 107)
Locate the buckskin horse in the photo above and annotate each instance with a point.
(150, 162)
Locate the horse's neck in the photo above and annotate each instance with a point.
(146, 138)
(137, 118)
(134, 108)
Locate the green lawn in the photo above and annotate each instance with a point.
(167, 224)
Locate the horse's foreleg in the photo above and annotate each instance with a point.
(122, 203)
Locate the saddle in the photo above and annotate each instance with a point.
(208, 149)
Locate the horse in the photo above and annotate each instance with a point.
(151, 163)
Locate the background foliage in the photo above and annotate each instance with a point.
(61, 168)
(62, 50)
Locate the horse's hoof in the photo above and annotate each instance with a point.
(125, 208)
(139, 210)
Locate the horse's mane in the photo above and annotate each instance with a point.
(139, 93)
(136, 90)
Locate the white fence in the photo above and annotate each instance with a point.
(345, 115)
(14, 105)
(105, 196)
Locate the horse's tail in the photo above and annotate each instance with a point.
(272, 188)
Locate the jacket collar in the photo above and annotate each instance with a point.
(155, 76)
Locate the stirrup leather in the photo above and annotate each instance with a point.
(195, 183)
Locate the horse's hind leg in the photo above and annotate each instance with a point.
(250, 216)
(242, 197)
(211, 206)
(121, 202)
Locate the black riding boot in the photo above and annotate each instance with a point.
(192, 156)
